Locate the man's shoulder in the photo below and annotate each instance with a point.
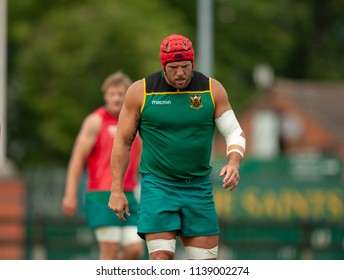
(156, 83)
(199, 75)
(157, 73)
(199, 81)
(156, 76)
(101, 111)
(92, 123)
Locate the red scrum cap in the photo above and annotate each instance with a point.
(176, 48)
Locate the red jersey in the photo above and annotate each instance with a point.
(98, 162)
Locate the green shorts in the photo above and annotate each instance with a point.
(186, 206)
(99, 214)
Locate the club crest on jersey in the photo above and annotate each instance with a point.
(196, 101)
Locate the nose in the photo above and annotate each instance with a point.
(117, 97)
(180, 71)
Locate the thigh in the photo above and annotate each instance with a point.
(159, 207)
(199, 217)
(161, 235)
(99, 214)
(97, 211)
(206, 242)
(133, 207)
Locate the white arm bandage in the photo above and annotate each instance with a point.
(230, 129)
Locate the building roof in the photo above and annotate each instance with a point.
(322, 101)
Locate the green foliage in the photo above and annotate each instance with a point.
(67, 55)
(61, 51)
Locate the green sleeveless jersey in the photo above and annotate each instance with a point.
(177, 128)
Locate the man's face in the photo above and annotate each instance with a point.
(178, 74)
(114, 98)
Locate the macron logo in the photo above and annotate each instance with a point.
(165, 102)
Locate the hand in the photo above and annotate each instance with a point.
(119, 204)
(69, 205)
(231, 176)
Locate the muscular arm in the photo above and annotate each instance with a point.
(231, 170)
(82, 148)
(129, 120)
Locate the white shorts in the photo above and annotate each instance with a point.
(124, 235)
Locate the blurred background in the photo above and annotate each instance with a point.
(282, 64)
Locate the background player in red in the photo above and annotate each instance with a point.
(93, 145)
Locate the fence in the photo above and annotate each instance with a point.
(273, 214)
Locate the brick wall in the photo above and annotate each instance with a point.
(12, 219)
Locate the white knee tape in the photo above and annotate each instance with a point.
(161, 245)
(195, 253)
(108, 234)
